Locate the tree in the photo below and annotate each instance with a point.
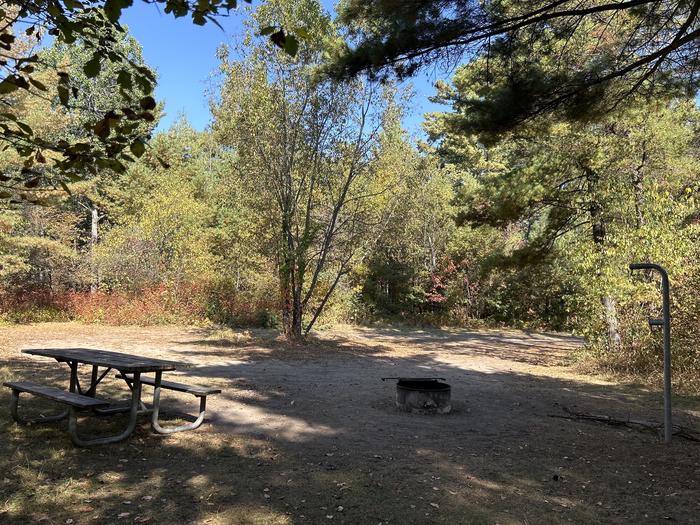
(305, 147)
(585, 56)
(24, 25)
(396, 275)
(161, 219)
(586, 184)
(37, 256)
(94, 97)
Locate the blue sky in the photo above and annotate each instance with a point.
(184, 55)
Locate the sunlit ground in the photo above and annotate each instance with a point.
(309, 434)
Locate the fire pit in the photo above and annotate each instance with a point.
(422, 395)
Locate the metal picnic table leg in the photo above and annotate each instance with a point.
(14, 404)
(155, 424)
(73, 375)
(113, 409)
(93, 382)
(14, 412)
(133, 416)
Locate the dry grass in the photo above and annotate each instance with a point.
(308, 434)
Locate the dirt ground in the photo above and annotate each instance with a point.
(310, 434)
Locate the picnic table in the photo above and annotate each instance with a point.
(130, 370)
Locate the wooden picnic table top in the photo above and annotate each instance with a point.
(106, 358)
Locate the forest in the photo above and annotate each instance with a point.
(306, 202)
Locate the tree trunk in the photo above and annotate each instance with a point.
(614, 339)
(295, 329)
(94, 238)
(290, 289)
(599, 232)
(291, 310)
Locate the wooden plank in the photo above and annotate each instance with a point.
(119, 361)
(196, 390)
(57, 394)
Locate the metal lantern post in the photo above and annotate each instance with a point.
(664, 322)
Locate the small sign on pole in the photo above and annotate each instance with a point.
(665, 323)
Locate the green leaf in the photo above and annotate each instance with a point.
(147, 103)
(21, 82)
(291, 45)
(113, 9)
(63, 94)
(101, 129)
(92, 67)
(26, 128)
(138, 148)
(278, 38)
(124, 80)
(7, 86)
(72, 5)
(37, 84)
(288, 43)
(267, 30)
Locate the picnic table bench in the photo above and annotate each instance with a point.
(130, 369)
(198, 391)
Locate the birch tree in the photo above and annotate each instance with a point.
(306, 148)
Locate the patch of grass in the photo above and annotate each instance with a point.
(592, 361)
(225, 336)
(497, 458)
(194, 478)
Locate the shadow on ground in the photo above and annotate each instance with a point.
(309, 434)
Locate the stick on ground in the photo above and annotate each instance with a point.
(651, 426)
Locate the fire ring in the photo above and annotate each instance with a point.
(423, 395)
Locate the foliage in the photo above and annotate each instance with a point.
(36, 247)
(307, 203)
(306, 150)
(112, 132)
(395, 277)
(112, 138)
(579, 200)
(577, 54)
